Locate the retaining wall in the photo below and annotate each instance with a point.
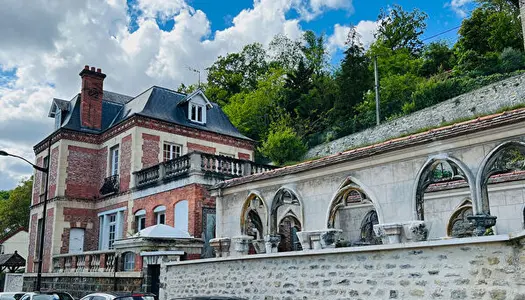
(472, 268)
(486, 100)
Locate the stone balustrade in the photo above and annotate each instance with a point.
(90, 261)
(220, 166)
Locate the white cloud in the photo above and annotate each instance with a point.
(365, 29)
(310, 9)
(459, 7)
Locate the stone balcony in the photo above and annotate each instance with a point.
(212, 168)
(85, 262)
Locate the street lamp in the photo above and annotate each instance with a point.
(45, 170)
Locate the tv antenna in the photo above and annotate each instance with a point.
(198, 72)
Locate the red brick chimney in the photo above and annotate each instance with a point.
(91, 97)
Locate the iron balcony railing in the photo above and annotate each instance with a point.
(223, 167)
(111, 185)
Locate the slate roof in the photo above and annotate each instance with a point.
(156, 102)
(458, 129)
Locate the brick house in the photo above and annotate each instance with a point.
(119, 164)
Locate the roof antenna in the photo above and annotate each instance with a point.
(196, 71)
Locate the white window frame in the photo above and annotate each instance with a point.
(129, 261)
(114, 160)
(160, 214)
(139, 217)
(104, 241)
(193, 113)
(173, 151)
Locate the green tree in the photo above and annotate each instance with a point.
(4, 195)
(437, 57)
(285, 53)
(14, 212)
(399, 29)
(314, 51)
(236, 72)
(283, 144)
(190, 88)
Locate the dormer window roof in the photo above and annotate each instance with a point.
(198, 104)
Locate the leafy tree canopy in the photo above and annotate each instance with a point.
(14, 212)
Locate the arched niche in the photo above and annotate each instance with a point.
(507, 157)
(285, 202)
(288, 227)
(459, 226)
(254, 217)
(439, 169)
(353, 211)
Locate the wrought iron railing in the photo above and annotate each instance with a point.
(223, 167)
(111, 185)
(92, 261)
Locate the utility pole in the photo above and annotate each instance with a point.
(376, 75)
(522, 17)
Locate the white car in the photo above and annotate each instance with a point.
(11, 295)
(51, 295)
(119, 296)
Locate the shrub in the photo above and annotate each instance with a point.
(283, 145)
(511, 60)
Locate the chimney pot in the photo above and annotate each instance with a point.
(93, 69)
(86, 67)
(99, 70)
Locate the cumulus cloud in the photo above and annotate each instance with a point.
(459, 7)
(365, 29)
(45, 43)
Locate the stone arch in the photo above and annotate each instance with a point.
(494, 163)
(350, 183)
(458, 224)
(425, 177)
(288, 227)
(254, 215)
(286, 198)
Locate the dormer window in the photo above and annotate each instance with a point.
(197, 113)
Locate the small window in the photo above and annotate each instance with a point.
(114, 160)
(58, 118)
(112, 229)
(160, 214)
(171, 151)
(38, 237)
(140, 220)
(197, 113)
(129, 261)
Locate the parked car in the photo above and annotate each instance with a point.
(11, 295)
(119, 296)
(47, 295)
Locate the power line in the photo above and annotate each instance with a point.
(438, 34)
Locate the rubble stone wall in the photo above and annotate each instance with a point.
(473, 268)
(486, 100)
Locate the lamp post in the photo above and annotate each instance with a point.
(45, 170)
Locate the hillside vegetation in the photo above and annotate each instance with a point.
(288, 97)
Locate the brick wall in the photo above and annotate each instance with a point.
(36, 182)
(125, 163)
(91, 98)
(81, 218)
(201, 148)
(197, 197)
(48, 237)
(32, 242)
(428, 270)
(245, 156)
(150, 150)
(53, 173)
(85, 172)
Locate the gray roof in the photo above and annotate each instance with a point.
(156, 102)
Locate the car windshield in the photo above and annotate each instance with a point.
(53, 296)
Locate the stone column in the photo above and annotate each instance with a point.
(482, 223)
(221, 246)
(272, 243)
(241, 244)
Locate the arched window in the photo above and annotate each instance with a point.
(129, 261)
(459, 226)
(140, 220)
(254, 217)
(160, 214)
(181, 215)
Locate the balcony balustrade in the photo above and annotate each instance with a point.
(91, 261)
(223, 167)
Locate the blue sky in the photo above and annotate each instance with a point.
(140, 43)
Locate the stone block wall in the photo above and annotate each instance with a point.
(472, 268)
(79, 286)
(489, 99)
